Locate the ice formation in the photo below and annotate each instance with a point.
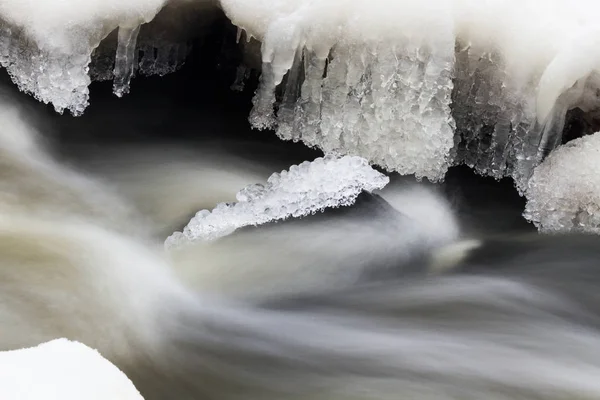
(46, 46)
(401, 82)
(302, 190)
(564, 193)
(411, 85)
(354, 83)
(162, 45)
(63, 370)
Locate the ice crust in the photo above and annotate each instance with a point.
(564, 193)
(400, 81)
(63, 370)
(302, 190)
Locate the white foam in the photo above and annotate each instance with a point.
(564, 192)
(63, 370)
(430, 211)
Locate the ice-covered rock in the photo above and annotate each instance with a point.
(63, 370)
(564, 192)
(302, 190)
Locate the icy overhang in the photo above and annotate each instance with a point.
(413, 86)
(416, 86)
(47, 45)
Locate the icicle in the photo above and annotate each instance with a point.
(356, 86)
(148, 61)
(278, 50)
(335, 93)
(125, 60)
(262, 114)
(308, 112)
(285, 116)
(165, 60)
(241, 76)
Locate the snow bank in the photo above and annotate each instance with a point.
(564, 192)
(63, 370)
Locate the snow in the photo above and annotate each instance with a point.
(302, 190)
(564, 192)
(63, 370)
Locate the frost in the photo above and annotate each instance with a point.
(564, 192)
(64, 370)
(302, 190)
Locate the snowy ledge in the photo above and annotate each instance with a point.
(412, 86)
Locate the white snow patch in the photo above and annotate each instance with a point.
(63, 370)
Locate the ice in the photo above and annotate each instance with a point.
(46, 45)
(162, 44)
(354, 85)
(400, 82)
(150, 57)
(412, 86)
(302, 190)
(564, 192)
(125, 60)
(63, 370)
